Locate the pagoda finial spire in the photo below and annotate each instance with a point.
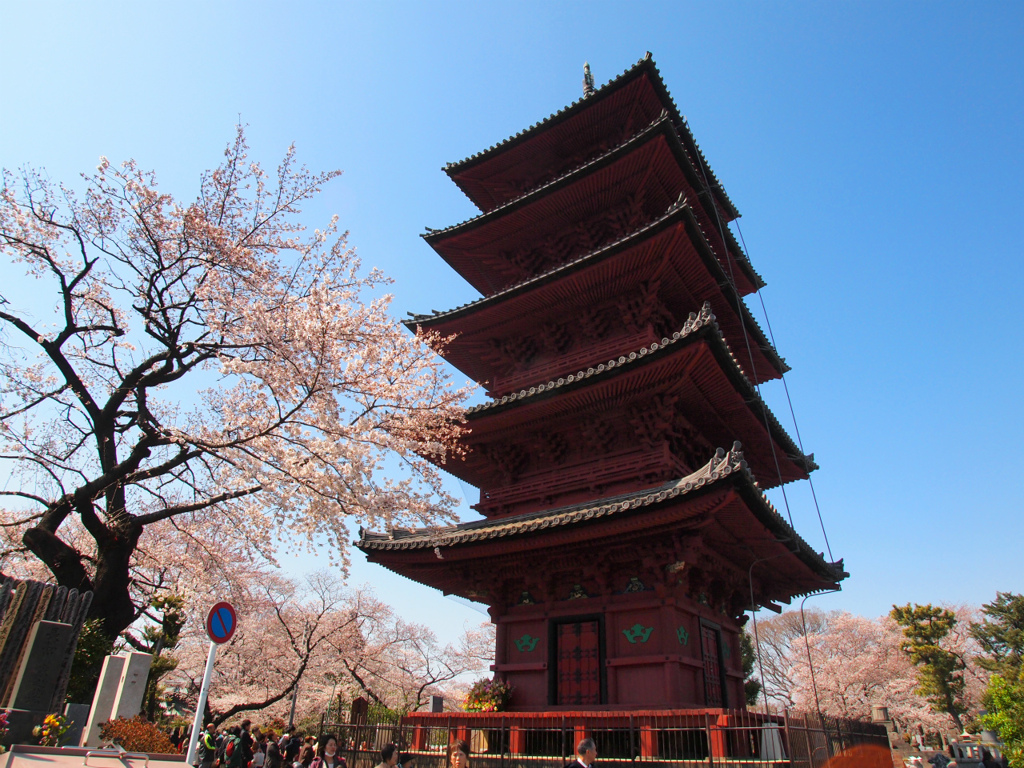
(588, 80)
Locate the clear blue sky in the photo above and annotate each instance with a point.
(873, 148)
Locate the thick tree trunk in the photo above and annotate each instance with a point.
(112, 600)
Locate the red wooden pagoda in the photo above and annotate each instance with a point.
(624, 534)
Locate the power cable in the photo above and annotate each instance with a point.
(746, 336)
(789, 400)
(746, 340)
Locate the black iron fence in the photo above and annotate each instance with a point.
(674, 739)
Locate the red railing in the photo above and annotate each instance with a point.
(676, 738)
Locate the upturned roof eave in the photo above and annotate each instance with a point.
(659, 125)
(724, 467)
(662, 125)
(607, 250)
(703, 326)
(679, 211)
(645, 65)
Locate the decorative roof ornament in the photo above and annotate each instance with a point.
(588, 80)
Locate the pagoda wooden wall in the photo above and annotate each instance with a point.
(650, 655)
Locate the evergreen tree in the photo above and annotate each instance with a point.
(93, 647)
(1001, 637)
(158, 640)
(751, 686)
(940, 677)
(1005, 702)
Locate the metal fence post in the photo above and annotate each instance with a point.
(561, 731)
(632, 743)
(707, 736)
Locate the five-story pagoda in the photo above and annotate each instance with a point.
(624, 534)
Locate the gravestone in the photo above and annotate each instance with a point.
(38, 675)
(76, 715)
(132, 688)
(771, 743)
(26, 610)
(103, 700)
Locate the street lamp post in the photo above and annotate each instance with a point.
(331, 678)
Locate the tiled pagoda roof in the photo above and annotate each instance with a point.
(724, 467)
(680, 211)
(645, 65)
(700, 324)
(663, 126)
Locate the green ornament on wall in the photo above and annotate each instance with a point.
(525, 644)
(638, 633)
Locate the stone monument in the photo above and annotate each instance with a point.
(119, 693)
(39, 628)
(103, 700)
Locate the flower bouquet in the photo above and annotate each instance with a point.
(51, 731)
(488, 696)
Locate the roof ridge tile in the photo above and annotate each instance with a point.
(722, 465)
(574, 105)
(634, 138)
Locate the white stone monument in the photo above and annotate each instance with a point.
(103, 699)
(119, 693)
(132, 688)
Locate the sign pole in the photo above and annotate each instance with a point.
(204, 692)
(221, 624)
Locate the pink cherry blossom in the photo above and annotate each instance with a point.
(208, 373)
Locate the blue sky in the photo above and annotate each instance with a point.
(874, 150)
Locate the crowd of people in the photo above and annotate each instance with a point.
(244, 746)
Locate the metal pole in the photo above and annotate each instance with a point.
(291, 717)
(204, 691)
(330, 703)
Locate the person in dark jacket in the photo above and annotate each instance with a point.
(274, 758)
(292, 750)
(247, 742)
(206, 749)
(586, 754)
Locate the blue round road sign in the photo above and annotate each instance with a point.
(221, 623)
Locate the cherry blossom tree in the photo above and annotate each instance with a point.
(858, 663)
(400, 664)
(322, 639)
(190, 373)
(281, 641)
(780, 641)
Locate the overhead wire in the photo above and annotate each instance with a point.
(746, 336)
(789, 400)
(753, 365)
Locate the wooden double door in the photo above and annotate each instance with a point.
(579, 656)
(714, 670)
